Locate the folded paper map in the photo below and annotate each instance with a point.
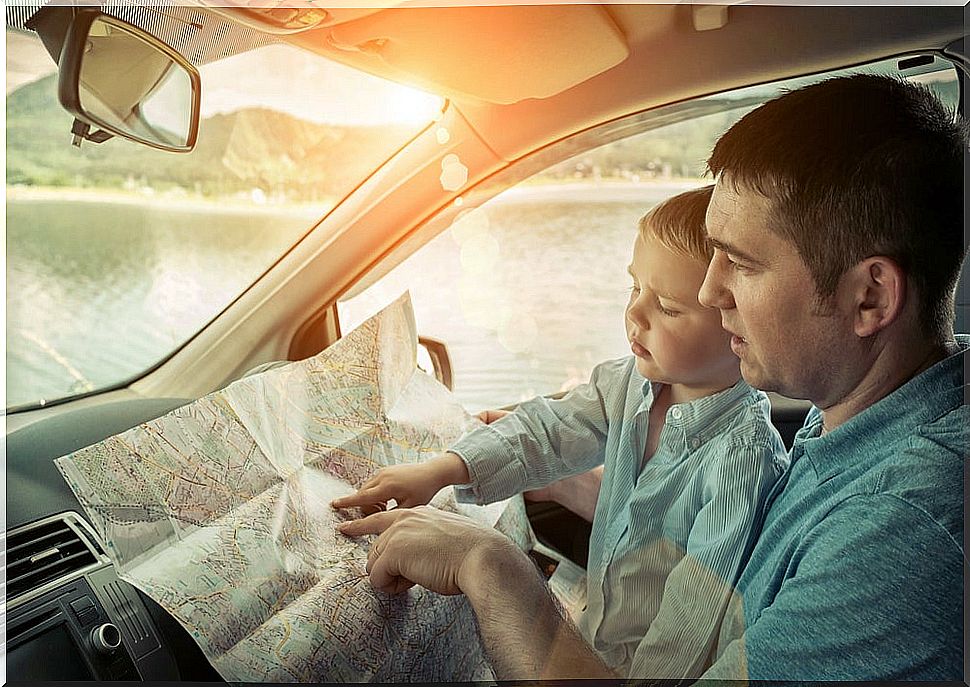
(219, 511)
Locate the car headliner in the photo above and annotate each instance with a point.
(669, 59)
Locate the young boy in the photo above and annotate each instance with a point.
(689, 455)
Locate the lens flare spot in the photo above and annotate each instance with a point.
(518, 332)
(479, 305)
(469, 223)
(480, 254)
(454, 174)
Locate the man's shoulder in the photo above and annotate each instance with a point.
(926, 473)
(949, 432)
(924, 470)
(916, 481)
(906, 452)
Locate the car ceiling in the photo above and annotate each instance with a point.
(527, 75)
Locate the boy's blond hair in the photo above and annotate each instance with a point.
(678, 223)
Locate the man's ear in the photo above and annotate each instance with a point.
(879, 293)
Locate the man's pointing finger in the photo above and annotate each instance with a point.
(372, 524)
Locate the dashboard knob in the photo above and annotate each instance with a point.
(106, 638)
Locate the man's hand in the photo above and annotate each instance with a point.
(524, 633)
(426, 546)
(490, 416)
(408, 485)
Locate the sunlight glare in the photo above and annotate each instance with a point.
(410, 106)
(327, 92)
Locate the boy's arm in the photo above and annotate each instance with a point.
(409, 484)
(544, 439)
(699, 587)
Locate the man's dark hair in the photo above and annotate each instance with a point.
(859, 166)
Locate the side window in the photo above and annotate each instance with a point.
(528, 290)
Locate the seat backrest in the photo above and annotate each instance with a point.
(787, 415)
(961, 323)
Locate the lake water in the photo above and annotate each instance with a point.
(527, 291)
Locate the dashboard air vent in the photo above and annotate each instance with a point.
(46, 551)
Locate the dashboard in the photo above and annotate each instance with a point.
(69, 615)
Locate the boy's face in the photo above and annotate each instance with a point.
(674, 338)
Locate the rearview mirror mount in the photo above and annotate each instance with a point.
(120, 79)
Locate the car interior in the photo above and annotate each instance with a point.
(524, 87)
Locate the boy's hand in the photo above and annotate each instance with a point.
(408, 485)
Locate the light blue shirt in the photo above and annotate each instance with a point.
(858, 573)
(669, 535)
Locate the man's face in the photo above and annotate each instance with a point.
(767, 299)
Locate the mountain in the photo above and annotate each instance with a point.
(250, 148)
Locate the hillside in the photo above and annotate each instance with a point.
(251, 148)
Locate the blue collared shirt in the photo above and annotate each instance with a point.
(858, 572)
(670, 534)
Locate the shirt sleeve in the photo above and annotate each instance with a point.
(543, 440)
(681, 637)
(874, 592)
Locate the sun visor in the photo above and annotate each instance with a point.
(276, 17)
(498, 54)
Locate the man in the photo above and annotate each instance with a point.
(838, 229)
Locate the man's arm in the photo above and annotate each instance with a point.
(523, 628)
(525, 635)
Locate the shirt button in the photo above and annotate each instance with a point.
(676, 413)
(695, 442)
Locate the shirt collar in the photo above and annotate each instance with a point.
(694, 417)
(922, 399)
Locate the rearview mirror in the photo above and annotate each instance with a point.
(125, 81)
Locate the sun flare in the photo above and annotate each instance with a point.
(410, 106)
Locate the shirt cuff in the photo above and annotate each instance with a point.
(494, 471)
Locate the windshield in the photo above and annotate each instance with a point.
(117, 254)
